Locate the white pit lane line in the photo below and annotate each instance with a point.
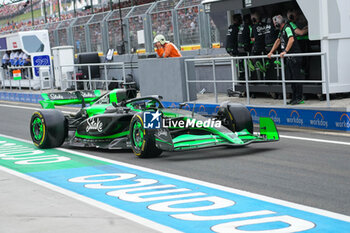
(28, 108)
(315, 140)
(282, 136)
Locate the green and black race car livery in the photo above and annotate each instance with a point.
(113, 121)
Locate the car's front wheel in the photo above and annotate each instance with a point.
(142, 140)
(235, 117)
(48, 128)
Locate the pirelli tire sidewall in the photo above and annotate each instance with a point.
(148, 148)
(55, 128)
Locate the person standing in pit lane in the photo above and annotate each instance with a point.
(301, 31)
(289, 44)
(258, 37)
(165, 48)
(244, 36)
(232, 35)
(244, 43)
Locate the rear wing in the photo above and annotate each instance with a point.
(67, 98)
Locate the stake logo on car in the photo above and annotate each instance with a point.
(94, 124)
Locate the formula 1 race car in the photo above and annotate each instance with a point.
(114, 121)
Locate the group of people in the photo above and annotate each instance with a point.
(16, 58)
(256, 36)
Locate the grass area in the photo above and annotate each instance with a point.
(19, 18)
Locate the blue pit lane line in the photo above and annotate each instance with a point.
(171, 201)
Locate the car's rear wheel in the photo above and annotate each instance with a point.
(142, 140)
(48, 128)
(235, 117)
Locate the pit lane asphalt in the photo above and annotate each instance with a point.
(311, 173)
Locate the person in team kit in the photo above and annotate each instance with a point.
(258, 37)
(289, 44)
(301, 31)
(165, 48)
(232, 35)
(244, 36)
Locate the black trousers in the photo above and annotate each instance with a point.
(305, 64)
(293, 72)
(257, 52)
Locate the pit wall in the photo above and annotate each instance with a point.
(293, 117)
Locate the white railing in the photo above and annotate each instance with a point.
(247, 81)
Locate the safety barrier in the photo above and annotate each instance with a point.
(31, 77)
(66, 76)
(292, 117)
(235, 60)
(90, 80)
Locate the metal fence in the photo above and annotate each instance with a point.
(183, 22)
(91, 83)
(67, 77)
(25, 78)
(234, 80)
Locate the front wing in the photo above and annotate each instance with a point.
(268, 133)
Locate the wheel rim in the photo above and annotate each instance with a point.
(138, 135)
(37, 129)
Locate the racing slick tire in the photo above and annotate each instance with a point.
(142, 140)
(235, 117)
(48, 128)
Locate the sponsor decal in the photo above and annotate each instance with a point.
(254, 115)
(26, 155)
(295, 118)
(14, 45)
(173, 105)
(319, 120)
(344, 121)
(273, 115)
(94, 124)
(87, 94)
(162, 132)
(216, 109)
(183, 204)
(201, 107)
(173, 202)
(56, 96)
(40, 61)
(186, 204)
